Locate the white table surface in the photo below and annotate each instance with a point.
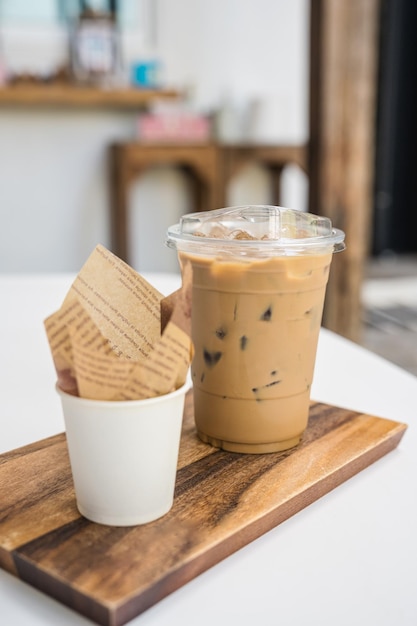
(348, 559)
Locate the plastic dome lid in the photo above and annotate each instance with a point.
(254, 230)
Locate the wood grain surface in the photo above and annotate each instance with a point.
(344, 44)
(222, 502)
(77, 96)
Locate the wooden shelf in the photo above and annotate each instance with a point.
(81, 96)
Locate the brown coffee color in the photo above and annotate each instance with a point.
(255, 327)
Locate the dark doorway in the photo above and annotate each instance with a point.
(395, 200)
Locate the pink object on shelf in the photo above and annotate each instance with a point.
(178, 127)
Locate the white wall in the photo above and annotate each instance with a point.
(249, 56)
(241, 51)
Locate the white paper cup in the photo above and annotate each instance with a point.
(124, 455)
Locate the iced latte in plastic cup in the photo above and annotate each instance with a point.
(259, 281)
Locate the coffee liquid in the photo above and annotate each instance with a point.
(255, 327)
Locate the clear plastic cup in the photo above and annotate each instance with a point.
(259, 281)
(124, 455)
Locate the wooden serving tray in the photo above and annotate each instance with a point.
(223, 501)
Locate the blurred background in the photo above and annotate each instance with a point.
(223, 57)
(77, 77)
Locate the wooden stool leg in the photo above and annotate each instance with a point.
(119, 204)
(195, 186)
(275, 173)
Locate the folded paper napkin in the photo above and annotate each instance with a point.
(116, 337)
